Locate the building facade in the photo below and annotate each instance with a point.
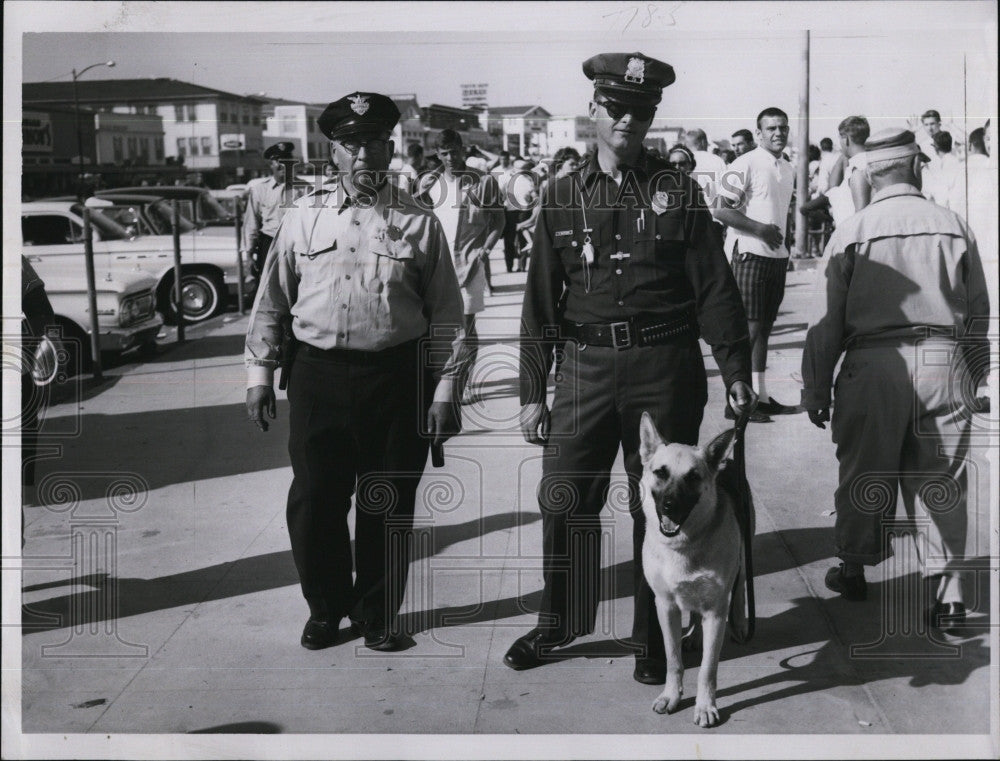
(287, 121)
(129, 139)
(576, 132)
(524, 129)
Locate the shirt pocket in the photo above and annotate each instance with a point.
(316, 266)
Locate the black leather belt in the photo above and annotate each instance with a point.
(631, 332)
(391, 355)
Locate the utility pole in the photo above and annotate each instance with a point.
(802, 149)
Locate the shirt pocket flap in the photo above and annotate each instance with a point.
(393, 249)
(315, 251)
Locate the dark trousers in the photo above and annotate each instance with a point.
(355, 423)
(601, 394)
(259, 254)
(511, 219)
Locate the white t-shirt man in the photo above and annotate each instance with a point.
(840, 197)
(761, 185)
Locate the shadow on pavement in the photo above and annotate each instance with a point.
(110, 598)
(240, 728)
(200, 347)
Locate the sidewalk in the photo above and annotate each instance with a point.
(189, 612)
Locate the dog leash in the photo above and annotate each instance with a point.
(746, 510)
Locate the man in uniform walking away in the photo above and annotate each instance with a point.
(904, 281)
(359, 280)
(628, 265)
(755, 194)
(469, 206)
(267, 202)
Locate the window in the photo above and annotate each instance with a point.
(223, 116)
(256, 120)
(116, 146)
(181, 146)
(144, 149)
(246, 118)
(133, 147)
(178, 113)
(158, 147)
(288, 125)
(206, 146)
(312, 124)
(192, 116)
(193, 145)
(49, 230)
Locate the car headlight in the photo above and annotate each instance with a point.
(136, 308)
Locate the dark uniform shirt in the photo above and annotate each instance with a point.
(657, 255)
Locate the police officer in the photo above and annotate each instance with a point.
(267, 201)
(628, 266)
(904, 282)
(361, 275)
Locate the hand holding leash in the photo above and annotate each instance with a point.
(819, 417)
(742, 398)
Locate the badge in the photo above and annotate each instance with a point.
(635, 71)
(394, 233)
(660, 202)
(359, 104)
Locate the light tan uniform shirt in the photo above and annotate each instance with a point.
(900, 266)
(265, 209)
(356, 278)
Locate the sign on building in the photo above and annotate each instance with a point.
(36, 132)
(475, 96)
(233, 142)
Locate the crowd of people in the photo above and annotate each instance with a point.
(634, 256)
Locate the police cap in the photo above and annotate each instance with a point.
(892, 143)
(630, 78)
(283, 150)
(358, 113)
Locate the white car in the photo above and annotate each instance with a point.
(52, 234)
(126, 312)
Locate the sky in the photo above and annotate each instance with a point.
(728, 68)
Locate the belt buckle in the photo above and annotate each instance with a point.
(621, 335)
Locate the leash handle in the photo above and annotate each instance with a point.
(739, 456)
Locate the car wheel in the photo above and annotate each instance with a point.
(201, 297)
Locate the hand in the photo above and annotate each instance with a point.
(535, 423)
(819, 417)
(443, 421)
(772, 236)
(742, 398)
(260, 399)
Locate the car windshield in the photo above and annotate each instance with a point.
(106, 227)
(211, 210)
(160, 214)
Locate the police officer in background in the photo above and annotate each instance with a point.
(361, 274)
(267, 201)
(628, 265)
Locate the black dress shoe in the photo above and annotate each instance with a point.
(382, 640)
(650, 671)
(771, 407)
(318, 634)
(532, 649)
(949, 617)
(755, 417)
(850, 587)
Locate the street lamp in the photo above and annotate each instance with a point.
(79, 133)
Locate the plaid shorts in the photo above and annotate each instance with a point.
(761, 280)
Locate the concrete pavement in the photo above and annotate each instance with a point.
(160, 594)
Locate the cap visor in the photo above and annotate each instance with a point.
(628, 96)
(359, 128)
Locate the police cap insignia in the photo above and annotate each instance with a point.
(359, 104)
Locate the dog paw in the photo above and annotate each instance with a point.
(706, 715)
(667, 702)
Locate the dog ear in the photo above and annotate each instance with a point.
(649, 437)
(717, 447)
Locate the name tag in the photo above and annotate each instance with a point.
(561, 233)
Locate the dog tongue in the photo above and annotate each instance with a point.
(668, 526)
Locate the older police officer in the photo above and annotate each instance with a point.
(628, 265)
(358, 276)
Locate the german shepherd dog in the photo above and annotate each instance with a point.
(693, 556)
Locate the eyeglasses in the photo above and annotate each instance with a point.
(684, 164)
(354, 146)
(616, 110)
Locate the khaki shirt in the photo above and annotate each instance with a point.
(356, 278)
(265, 208)
(898, 269)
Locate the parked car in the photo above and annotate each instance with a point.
(138, 214)
(197, 204)
(126, 309)
(53, 230)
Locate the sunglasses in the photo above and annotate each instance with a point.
(680, 164)
(617, 111)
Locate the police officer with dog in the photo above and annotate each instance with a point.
(361, 278)
(627, 269)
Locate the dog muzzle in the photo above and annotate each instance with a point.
(670, 527)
